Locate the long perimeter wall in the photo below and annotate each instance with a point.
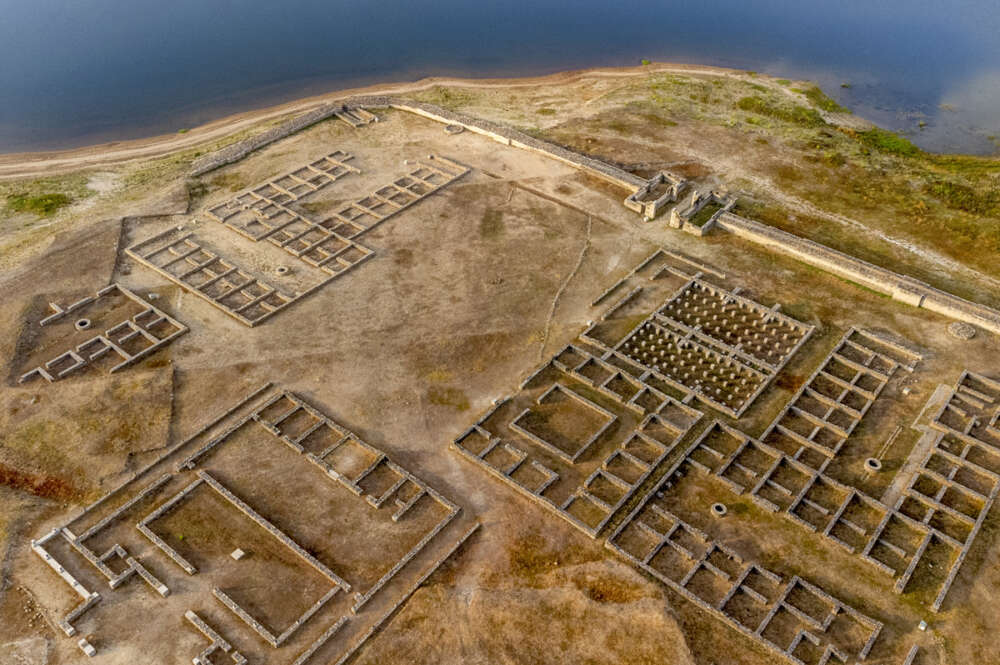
(905, 289)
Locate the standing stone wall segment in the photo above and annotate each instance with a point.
(819, 419)
(216, 642)
(245, 508)
(660, 191)
(291, 421)
(899, 287)
(241, 149)
(430, 570)
(331, 245)
(88, 598)
(180, 258)
(893, 538)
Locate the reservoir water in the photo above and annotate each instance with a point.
(76, 73)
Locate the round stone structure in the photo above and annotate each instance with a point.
(873, 464)
(719, 510)
(82, 324)
(962, 330)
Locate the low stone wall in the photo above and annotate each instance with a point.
(507, 136)
(239, 150)
(495, 131)
(899, 287)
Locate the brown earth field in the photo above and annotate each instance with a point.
(429, 329)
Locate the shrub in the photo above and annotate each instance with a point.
(888, 142)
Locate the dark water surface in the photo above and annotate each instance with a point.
(75, 72)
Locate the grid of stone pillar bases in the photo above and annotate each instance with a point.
(335, 600)
(715, 344)
(111, 330)
(331, 245)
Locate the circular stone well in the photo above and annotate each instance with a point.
(873, 464)
(962, 330)
(454, 129)
(718, 510)
(82, 324)
(282, 270)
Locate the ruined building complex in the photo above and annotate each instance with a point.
(671, 429)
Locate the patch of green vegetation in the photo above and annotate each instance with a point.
(448, 396)
(546, 111)
(644, 61)
(784, 82)
(657, 119)
(42, 205)
(834, 158)
(820, 100)
(491, 225)
(959, 196)
(702, 216)
(887, 142)
(183, 130)
(797, 115)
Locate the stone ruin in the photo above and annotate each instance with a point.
(327, 248)
(342, 613)
(793, 619)
(660, 191)
(584, 475)
(686, 215)
(114, 329)
(716, 345)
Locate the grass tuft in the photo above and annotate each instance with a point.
(820, 100)
(888, 142)
(42, 205)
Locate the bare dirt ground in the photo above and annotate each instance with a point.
(468, 291)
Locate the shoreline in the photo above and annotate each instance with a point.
(18, 165)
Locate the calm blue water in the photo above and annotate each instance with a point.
(74, 72)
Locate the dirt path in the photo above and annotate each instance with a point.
(562, 287)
